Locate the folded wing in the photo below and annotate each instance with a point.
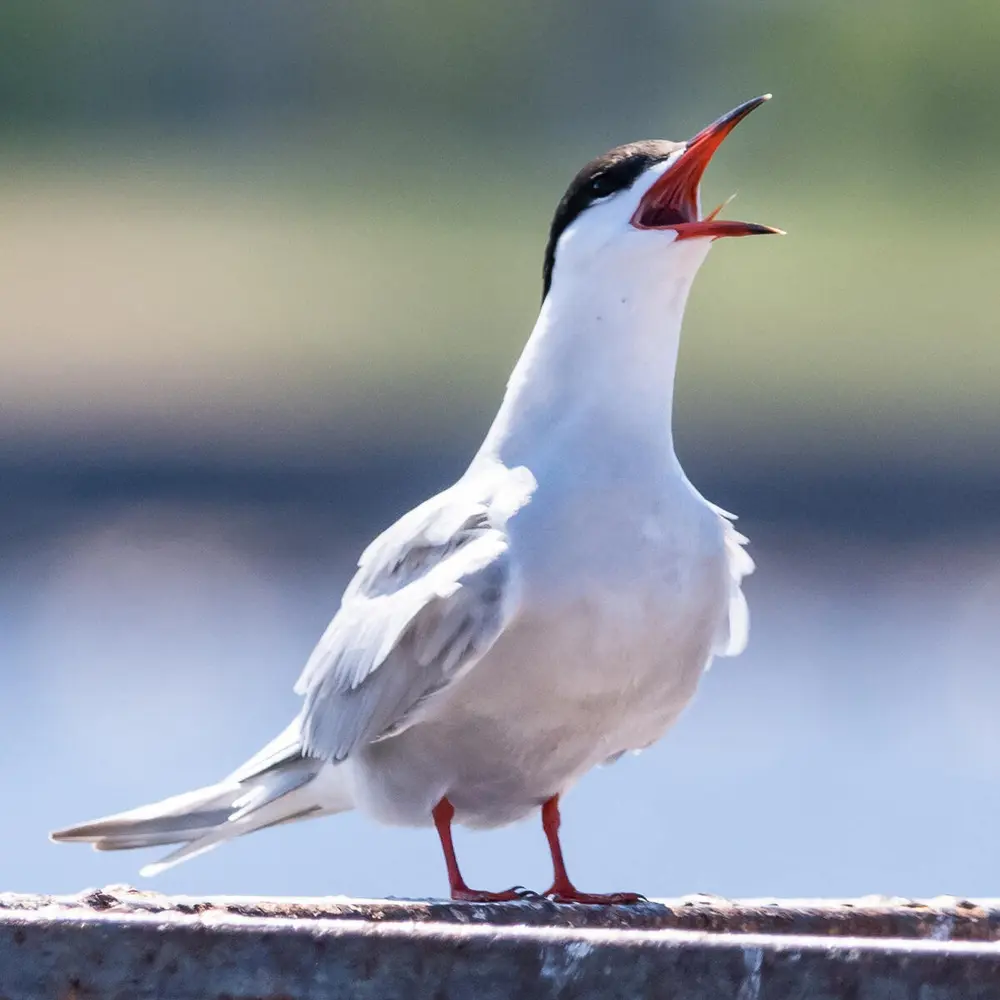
(430, 597)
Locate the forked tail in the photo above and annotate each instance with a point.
(278, 785)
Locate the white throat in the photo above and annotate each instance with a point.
(598, 369)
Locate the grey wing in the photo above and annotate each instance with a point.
(431, 595)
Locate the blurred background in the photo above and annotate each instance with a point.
(264, 269)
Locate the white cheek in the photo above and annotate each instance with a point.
(604, 235)
(603, 241)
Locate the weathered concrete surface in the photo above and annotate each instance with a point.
(125, 944)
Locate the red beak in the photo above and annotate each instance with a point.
(672, 200)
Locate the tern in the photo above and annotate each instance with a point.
(555, 607)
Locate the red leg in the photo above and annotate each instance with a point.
(562, 890)
(443, 814)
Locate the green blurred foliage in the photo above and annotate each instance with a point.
(915, 71)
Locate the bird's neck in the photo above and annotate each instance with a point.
(598, 369)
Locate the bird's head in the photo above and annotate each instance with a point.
(641, 201)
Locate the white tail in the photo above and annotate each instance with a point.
(277, 785)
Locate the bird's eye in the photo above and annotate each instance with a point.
(602, 185)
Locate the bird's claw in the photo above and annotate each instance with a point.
(527, 894)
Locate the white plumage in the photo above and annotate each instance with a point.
(550, 611)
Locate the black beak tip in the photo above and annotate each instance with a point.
(732, 118)
(747, 106)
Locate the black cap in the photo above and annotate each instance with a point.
(615, 171)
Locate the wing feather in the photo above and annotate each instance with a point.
(430, 597)
(735, 631)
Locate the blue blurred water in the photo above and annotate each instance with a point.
(147, 647)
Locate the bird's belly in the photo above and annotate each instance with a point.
(560, 692)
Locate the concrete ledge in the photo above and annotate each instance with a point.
(122, 943)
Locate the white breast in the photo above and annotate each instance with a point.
(616, 629)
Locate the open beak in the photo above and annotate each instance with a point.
(672, 200)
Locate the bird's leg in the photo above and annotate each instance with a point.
(443, 814)
(562, 890)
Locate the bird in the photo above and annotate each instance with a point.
(551, 610)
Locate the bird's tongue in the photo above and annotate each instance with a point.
(672, 200)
